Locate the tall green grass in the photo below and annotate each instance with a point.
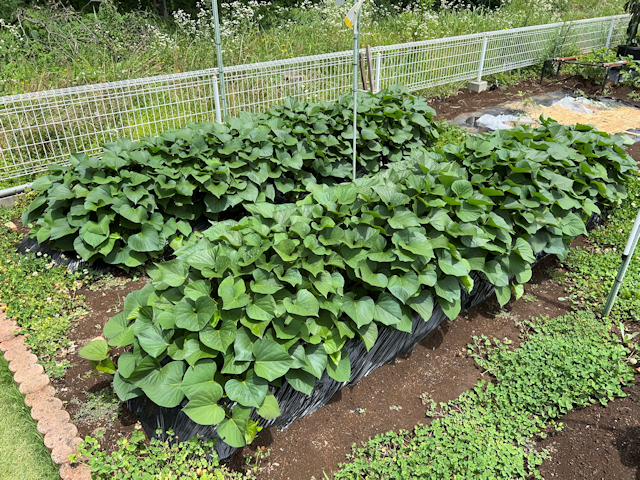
(53, 48)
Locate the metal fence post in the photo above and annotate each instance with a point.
(216, 100)
(482, 55)
(356, 51)
(610, 33)
(627, 255)
(216, 20)
(376, 88)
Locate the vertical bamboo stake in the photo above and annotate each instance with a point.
(370, 68)
(362, 72)
(223, 90)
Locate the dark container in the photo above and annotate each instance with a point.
(624, 50)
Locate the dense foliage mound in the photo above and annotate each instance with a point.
(275, 296)
(125, 206)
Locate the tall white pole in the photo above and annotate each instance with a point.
(482, 55)
(356, 72)
(223, 90)
(216, 100)
(378, 72)
(627, 255)
(613, 22)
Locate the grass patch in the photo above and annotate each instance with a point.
(22, 451)
(103, 406)
(489, 432)
(40, 295)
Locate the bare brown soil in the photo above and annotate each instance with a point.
(597, 442)
(466, 101)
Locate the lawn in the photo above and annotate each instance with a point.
(22, 451)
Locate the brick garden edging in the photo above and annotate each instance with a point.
(60, 435)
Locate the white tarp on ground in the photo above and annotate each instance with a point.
(499, 122)
(580, 104)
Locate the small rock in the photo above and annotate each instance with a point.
(27, 373)
(8, 345)
(7, 329)
(60, 453)
(45, 407)
(34, 384)
(11, 226)
(25, 360)
(53, 422)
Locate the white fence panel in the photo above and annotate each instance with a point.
(41, 128)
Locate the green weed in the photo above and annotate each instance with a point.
(450, 134)
(40, 295)
(103, 406)
(168, 460)
(591, 270)
(108, 281)
(488, 432)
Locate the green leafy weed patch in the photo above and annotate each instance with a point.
(488, 433)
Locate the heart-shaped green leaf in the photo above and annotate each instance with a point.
(203, 408)
(249, 392)
(361, 310)
(271, 359)
(96, 350)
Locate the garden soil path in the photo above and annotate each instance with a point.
(596, 443)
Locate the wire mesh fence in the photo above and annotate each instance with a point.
(258, 86)
(42, 128)
(430, 63)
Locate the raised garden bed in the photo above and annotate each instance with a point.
(94, 384)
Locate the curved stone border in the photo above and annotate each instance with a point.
(60, 435)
